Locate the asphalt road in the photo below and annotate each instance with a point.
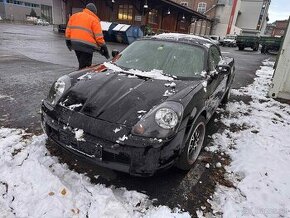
(32, 57)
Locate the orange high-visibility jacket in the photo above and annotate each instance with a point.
(84, 31)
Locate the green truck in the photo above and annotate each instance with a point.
(269, 43)
(249, 39)
(248, 42)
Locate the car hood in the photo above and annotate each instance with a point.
(119, 98)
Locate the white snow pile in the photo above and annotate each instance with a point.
(34, 184)
(260, 153)
(177, 36)
(154, 74)
(79, 134)
(74, 106)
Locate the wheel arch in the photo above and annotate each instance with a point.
(191, 121)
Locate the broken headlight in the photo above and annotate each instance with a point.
(161, 122)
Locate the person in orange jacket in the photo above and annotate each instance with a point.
(84, 35)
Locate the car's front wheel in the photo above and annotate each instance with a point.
(193, 145)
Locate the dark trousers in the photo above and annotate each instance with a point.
(85, 59)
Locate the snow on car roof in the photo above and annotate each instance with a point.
(187, 37)
(105, 25)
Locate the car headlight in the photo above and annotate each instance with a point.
(166, 118)
(58, 89)
(161, 122)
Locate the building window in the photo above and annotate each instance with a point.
(125, 12)
(184, 4)
(18, 2)
(153, 16)
(201, 7)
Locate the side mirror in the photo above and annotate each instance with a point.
(223, 68)
(115, 53)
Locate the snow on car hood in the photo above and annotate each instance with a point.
(119, 98)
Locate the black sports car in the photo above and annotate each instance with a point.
(144, 111)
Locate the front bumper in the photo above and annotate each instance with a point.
(137, 155)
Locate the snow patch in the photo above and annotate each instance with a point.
(34, 184)
(168, 93)
(177, 36)
(122, 139)
(154, 74)
(6, 97)
(79, 134)
(260, 154)
(117, 130)
(172, 85)
(73, 106)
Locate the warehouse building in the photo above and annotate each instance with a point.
(152, 15)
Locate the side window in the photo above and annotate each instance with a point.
(214, 58)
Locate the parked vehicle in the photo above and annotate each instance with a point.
(214, 39)
(146, 110)
(269, 43)
(31, 19)
(229, 40)
(248, 42)
(249, 39)
(41, 22)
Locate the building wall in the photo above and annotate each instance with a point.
(190, 3)
(2, 10)
(224, 12)
(250, 12)
(269, 29)
(204, 27)
(280, 28)
(280, 87)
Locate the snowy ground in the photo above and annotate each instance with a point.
(257, 139)
(35, 184)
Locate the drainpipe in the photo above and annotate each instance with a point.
(232, 16)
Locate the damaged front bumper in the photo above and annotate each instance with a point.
(103, 145)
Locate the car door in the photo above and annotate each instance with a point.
(216, 83)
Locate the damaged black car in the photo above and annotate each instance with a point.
(144, 111)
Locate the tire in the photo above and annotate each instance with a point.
(193, 145)
(256, 48)
(241, 48)
(226, 98)
(263, 50)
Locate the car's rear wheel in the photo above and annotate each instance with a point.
(193, 145)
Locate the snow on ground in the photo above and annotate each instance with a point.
(258, 142)
(34, 184)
